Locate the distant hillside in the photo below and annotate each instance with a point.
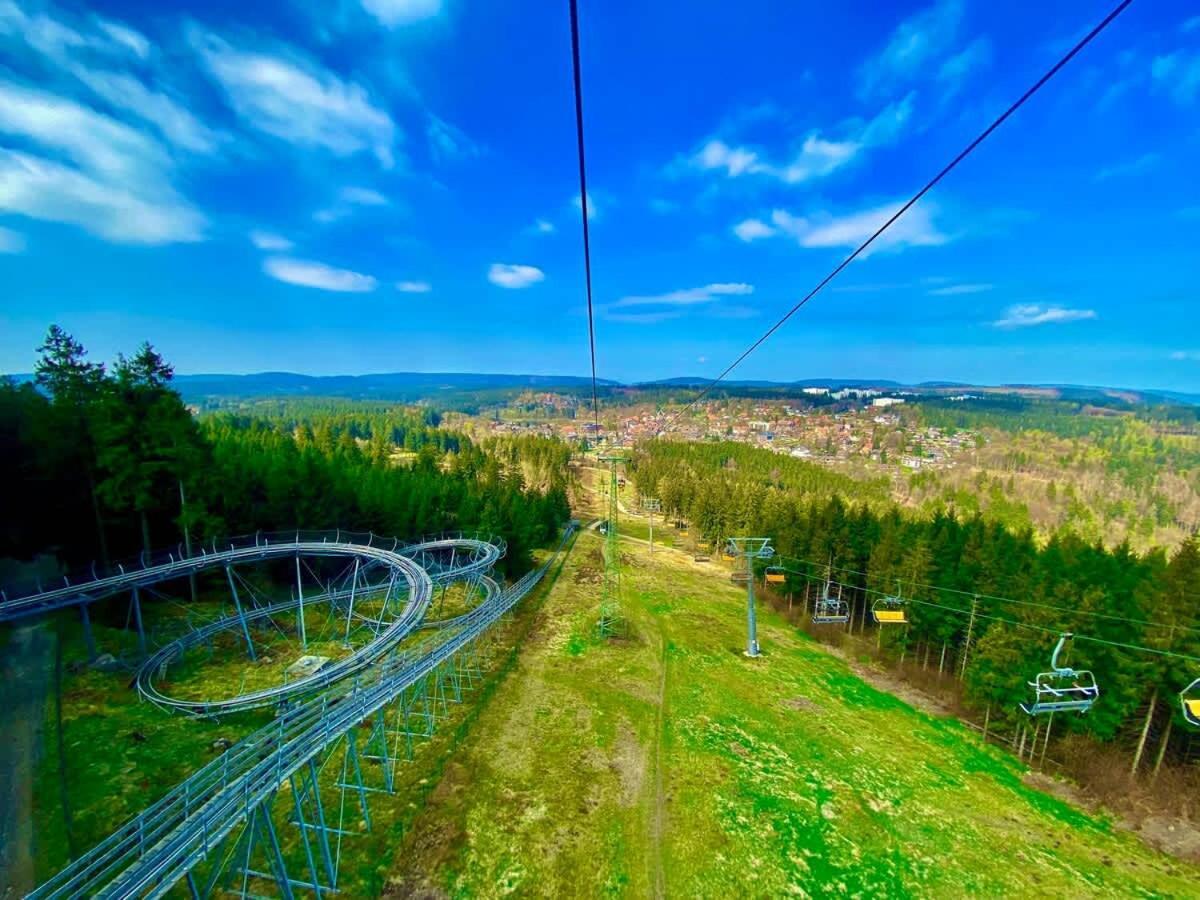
(410, 387)
(398, 386)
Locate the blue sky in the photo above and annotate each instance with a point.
(388, 185)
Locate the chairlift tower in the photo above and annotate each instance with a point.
(651, 505)
(610, 594)
(750, 549)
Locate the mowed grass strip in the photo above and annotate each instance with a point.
(668, 763)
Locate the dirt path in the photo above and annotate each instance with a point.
(25, 671)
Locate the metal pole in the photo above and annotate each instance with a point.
(967, 644)
(88, 637)
(300, 612)
(751, 624)
(187, 538)
(241, 616)
(350, 610)
(137, 615)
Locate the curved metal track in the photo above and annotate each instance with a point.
(162, 846)
(387, 638)
(36, 599)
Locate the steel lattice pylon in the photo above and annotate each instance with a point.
(610, 595)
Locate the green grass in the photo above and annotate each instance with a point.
(787, 774)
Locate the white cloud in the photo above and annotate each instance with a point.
(593, 209)
(58, 41)
(687, 297)
(916, 228)
(119, 187)
(507, 275)
(414, 287)
(306, 273)
(648, 318)
(544, 226)
(448, 142)
(955, 70)
(914, 43)
(1139, 166)
(177, 124)
(955, 290)
(43, 189)
(347, 199)
(1179, 74)
(269, 240)
(11, 241)
(394, 13)
(702, 359)
(817, 156)
(1186, 356)
(297, 101)
(90, 139)
(361, 196)
(753, 230)
(1024, 315)
(122, 35)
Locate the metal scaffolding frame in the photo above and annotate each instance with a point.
(219, 830)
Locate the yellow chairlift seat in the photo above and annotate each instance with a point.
(775, 578)
(891, 617)
(1193, 707)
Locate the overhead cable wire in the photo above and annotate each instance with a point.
(583, 203)
(1032, 603)
(1054, 70)
(1015, 624)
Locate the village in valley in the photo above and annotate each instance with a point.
(862, 428)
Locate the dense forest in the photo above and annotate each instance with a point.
(1117, 602)
(103, 463)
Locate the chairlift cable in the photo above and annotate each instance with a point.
(1062, 609)
(583, 205)
(1054, 70)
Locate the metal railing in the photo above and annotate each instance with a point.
(157, 848)
(38, 596)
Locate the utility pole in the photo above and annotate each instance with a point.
(962, 673)
(750, 549)
(651, 505)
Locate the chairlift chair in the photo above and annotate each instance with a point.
(890, 611)
(830, 610)
(739, 576)
(775, 575)
(1189, 699)
(1062, 689)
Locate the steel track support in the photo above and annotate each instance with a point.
(237, 602)
(352, 755)
(275, 853)
(320, 826)
(136, 602)
(304, 837)
(88, 638)
(300, 610)
(350, 610)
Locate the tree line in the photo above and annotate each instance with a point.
(105, 462)
(956, 564)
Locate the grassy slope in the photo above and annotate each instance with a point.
(784, 775)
